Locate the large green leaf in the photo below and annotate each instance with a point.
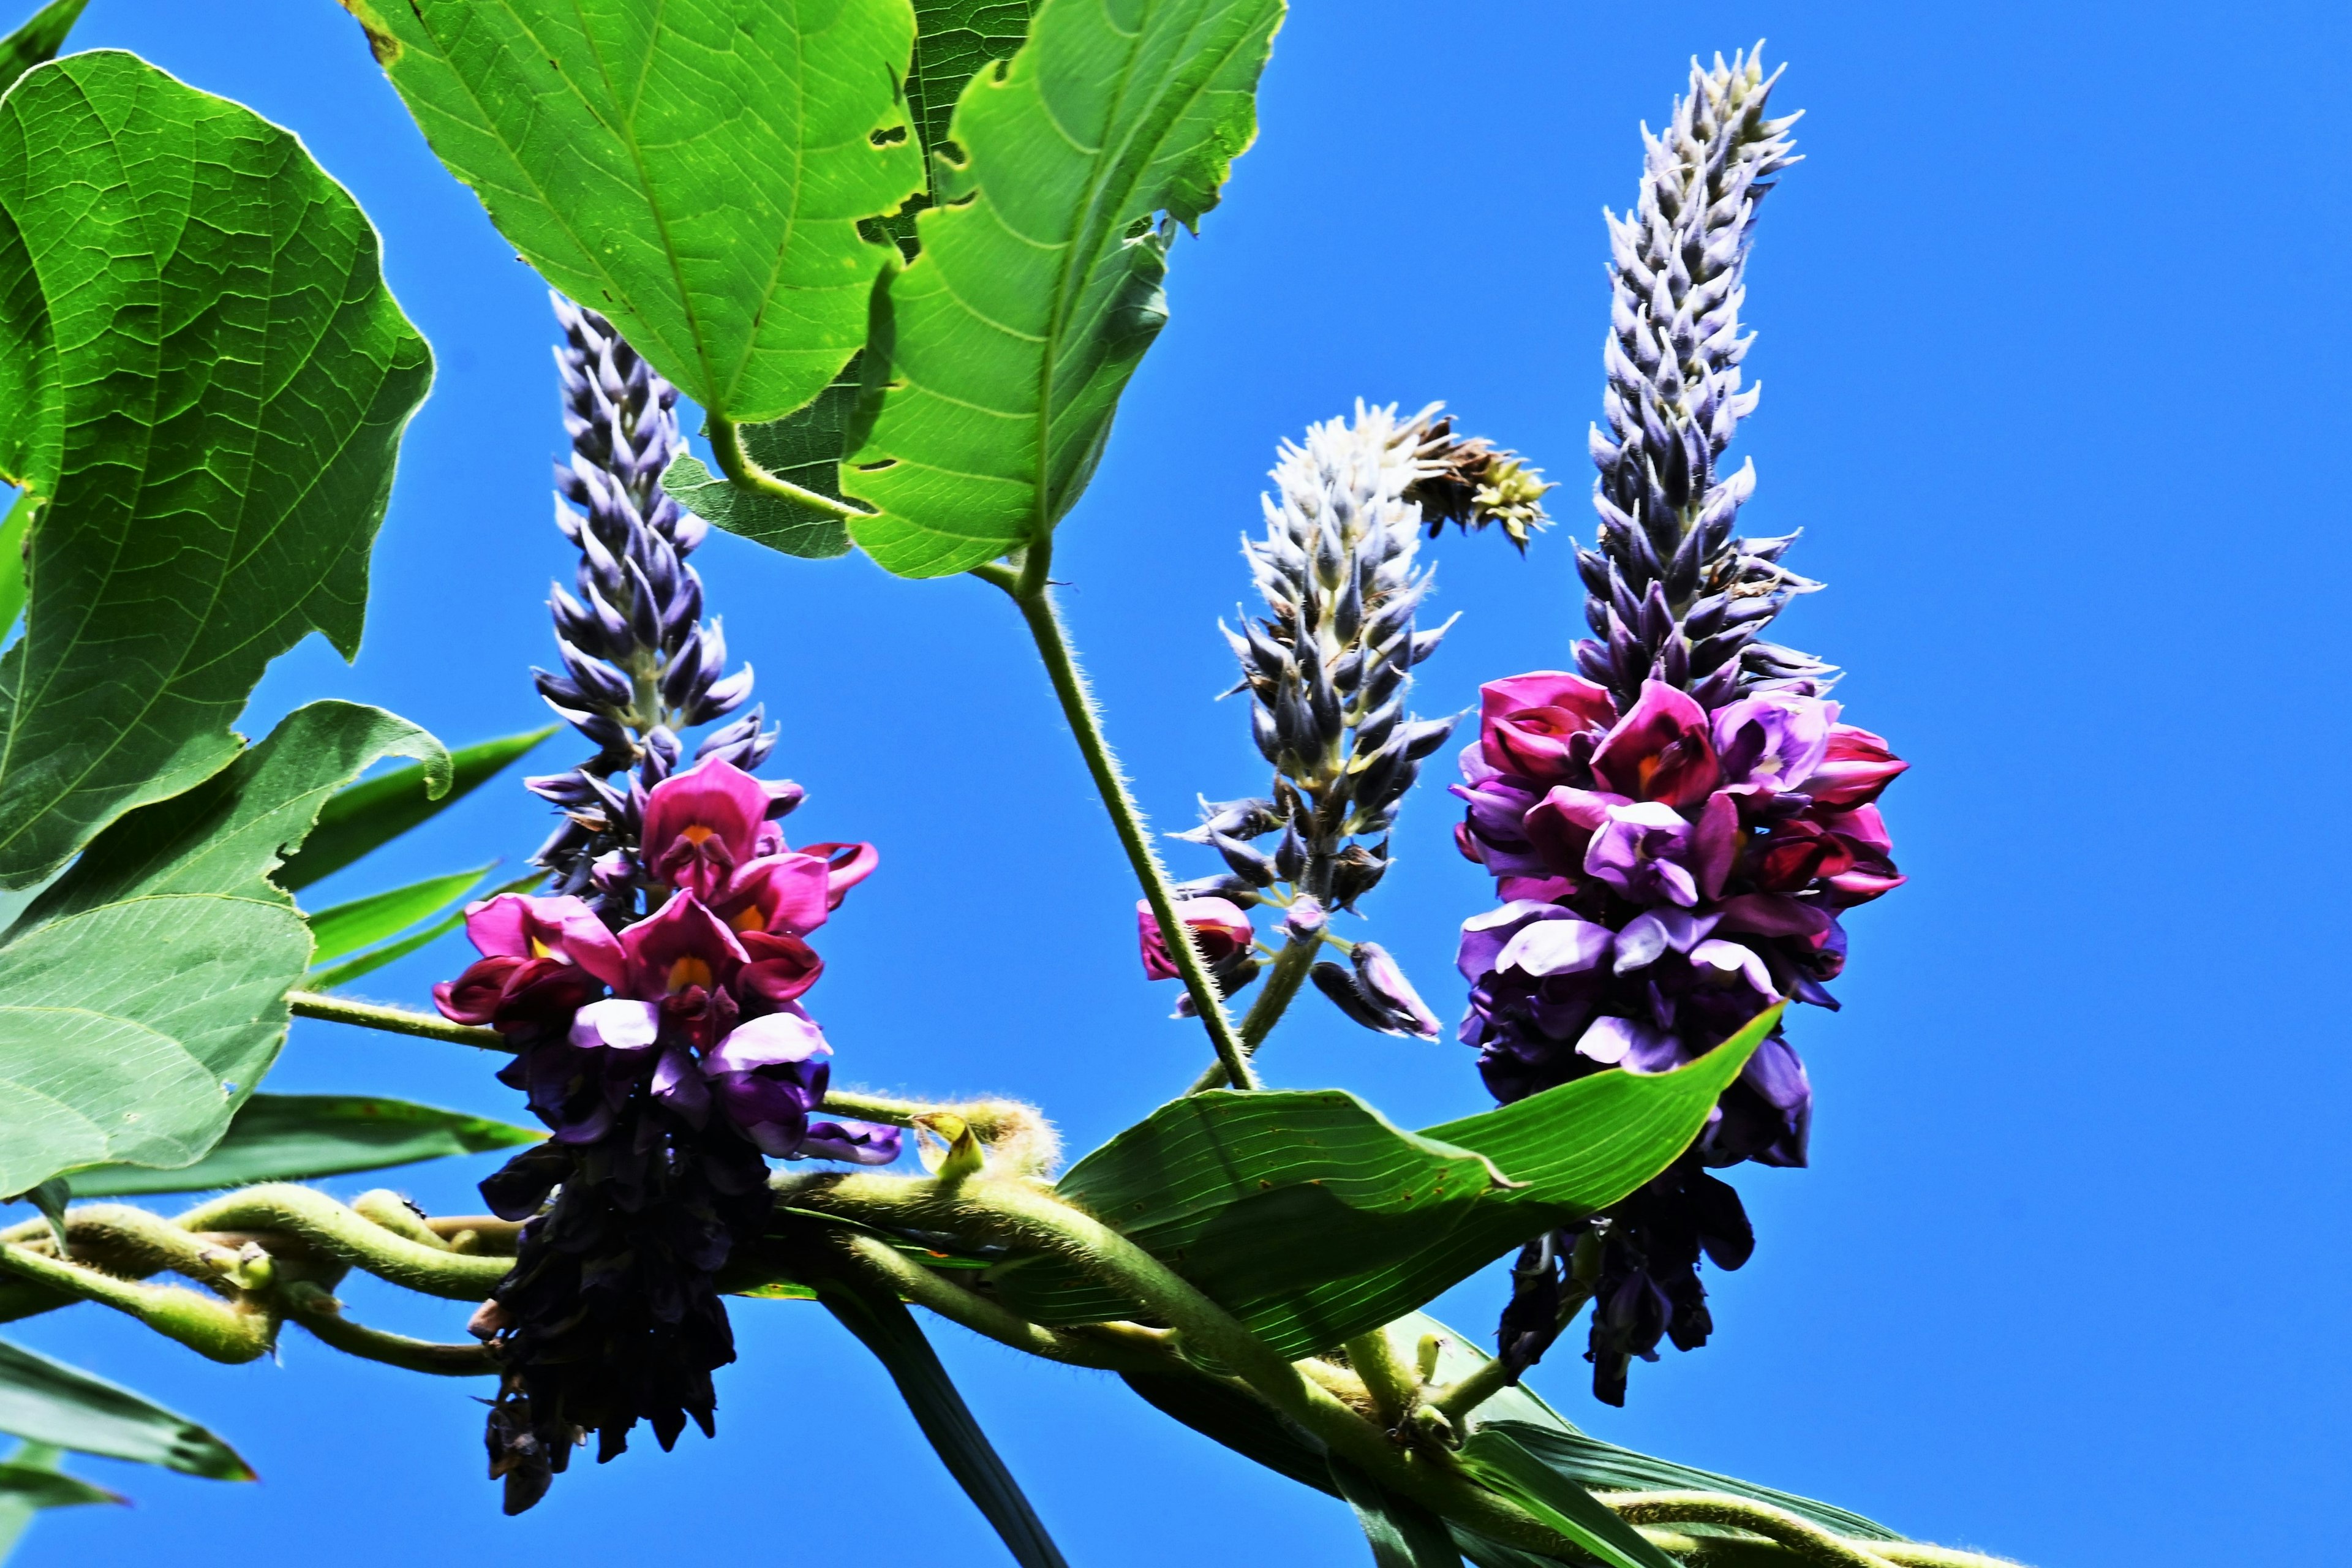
(953, 38)
(13, 530)
(883, 1326)
(346, 928)
(38, 38)
(46, 1401)
(204, 376)
(1313, 1219)
(143, 995)
(371, 814)
(301, 1137)
(1038, 288)
(695, 170)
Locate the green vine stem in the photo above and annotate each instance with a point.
(1033, 595)
(1800, 1536)
(394, 1020)
(1019, 1213)
(322, 1315)
(1273, 998)
(1391, 1387)
(727, 447)
(214, 1329)
(351, 1238)
(1131, 1348)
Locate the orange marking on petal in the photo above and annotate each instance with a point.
(689, 972)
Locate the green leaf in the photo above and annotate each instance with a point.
(695, 170)
(368, 962)
(301, 1137)
(371, 814)
(204, 376)
(953, 38)
(14, 529)
(1224, 1415)
(1495, 1460)
(1402, 1533)
(1264, 1200)
(143, 995)
(46, 1401)
(341, 929)
(802, 449)
(30, 1476)
(30, 1482)
(38, 39)
(1038, 287)
(882, 1323)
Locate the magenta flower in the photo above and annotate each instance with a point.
(1219, 928)
(789, 892)
(1855, 766)
(1542, 726)
(1660, 750)
(541, 959)
(700, 824)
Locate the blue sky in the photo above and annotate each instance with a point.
(2065, 1280)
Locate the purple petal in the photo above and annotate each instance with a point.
(773, 1040)
(616, 1024)
(858, 1142)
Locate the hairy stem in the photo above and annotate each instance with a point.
(212, 1328)
(1392, 1388)
(1031, 592)
(727, 447)
(323, 1316)
(1023, 1215)
(394, 1020)
(340, 1233)
(1287, 972)
(1802, 1537)
(1142, 1351)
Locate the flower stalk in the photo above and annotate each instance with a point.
(1031, 593)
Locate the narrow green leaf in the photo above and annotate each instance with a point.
(13, 530)
(1312, 1219)
(301, 1137)
(46, 1401)
(30, 1476)
(341, 929)
(1495, 1460)
(1402, 1532)
(30, 1482)
(368, 962)
(37, 40)
(376, 811)
(1038, 288)
(143, 995)
(883, 1324)
(203, 373)
(695, 170)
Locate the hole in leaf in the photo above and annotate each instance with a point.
(875, 468)
(890, 137)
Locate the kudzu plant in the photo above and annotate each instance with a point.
(933, 259)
